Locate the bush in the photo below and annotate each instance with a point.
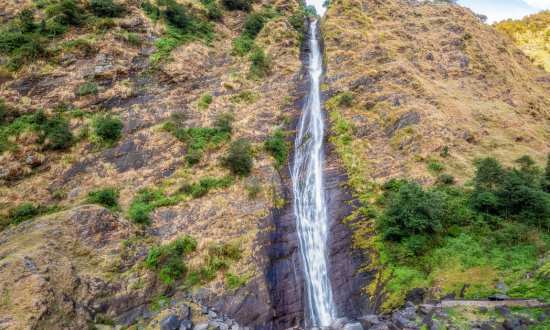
(176, 14)
(204, 101)
(87, 88)
(239, 158)
(223, 122)
(57, 134)
(201, 188)
(446, 179)
(411, 211)
(26, 20)
(106, 8)
(261, 63)
(168, 259)
(108, 129)
(277, 146)
(345, 99)
(66, 12)
(233, 282)
(242, 45)
(213, 10)
(22, 212)
(238, 4)
(107, 197)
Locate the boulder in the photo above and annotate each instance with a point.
(370, 320)
(353, 326)
(186, 325)
(171, 322)
(201, 326)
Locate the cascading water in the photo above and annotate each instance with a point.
(307, 182)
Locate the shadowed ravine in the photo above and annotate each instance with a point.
(310, 208)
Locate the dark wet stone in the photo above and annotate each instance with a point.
(171, 322)
(502, 310)
(186, 325)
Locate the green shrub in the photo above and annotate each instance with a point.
(87, 88)
(435, 166)
(345, 99)
(106, 8)
(223, 122)
(277, 146)
(107, 197)
(139, 213)
(145, 202)
(108, 129)
(446, 179)
(66, 12)
(205, 100)
(201, 188)
(239, 158)
(261, 63)
(213, 10)
(26, 20)
(176, 14)
(22, 212)
(546, 178)
(57, 134)
(233, 281)
(242, 45)
(237, 4)
(411, 212)
(168, 259)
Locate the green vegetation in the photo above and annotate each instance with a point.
(244, 5)
(204, 101)
(260, 63)
(213, 9)
(464, 240)
(29, 36)
(199, 139)
(239, 158)
(23, 212)
(108, 129)
(181, 27)
(233, 281)
(277, 146)
(54, 132)
(106, 8)
(168, 259)
(253, 25)
(345, 99)
(87, 88)
(204, 185)
(219, 258)
(148, 199)
(107, 197)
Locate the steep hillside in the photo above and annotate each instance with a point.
(419, 91)
(159, 113)
(532, 35)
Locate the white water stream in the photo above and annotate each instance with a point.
(309, 198)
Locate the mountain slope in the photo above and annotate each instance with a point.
(419, 91)
(532, 35)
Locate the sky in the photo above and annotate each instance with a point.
(497, 10)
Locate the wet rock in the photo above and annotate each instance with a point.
(426, 308)
(171, 322)
(185, 312)
(201, 326)
(212, 315)
(186, 325)
(339, 323)
(486, 326)
(498, 297)
(416, 295)
(370, 320)
(402, 322)
(512, 324)
(502, 310)
(353, 326)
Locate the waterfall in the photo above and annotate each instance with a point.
(307, 182)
